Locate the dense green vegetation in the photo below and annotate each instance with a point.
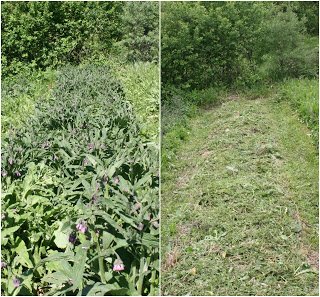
(209, 49)
(239, 176)
(234, 43)
(40, 35)
(79, 148)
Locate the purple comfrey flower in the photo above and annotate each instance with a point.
(118, 265)
(18, 173)
(10, 161)
(4, 173)
(137, 206)
(3, 264)
(116, 180)
(16, 282)
(85, 161)
(140, 227)
(105, 178)
(148, 216)
(82, 227)
(94, 198)
(72, 238)
(155, 224)
(46, 145)
(90, 146)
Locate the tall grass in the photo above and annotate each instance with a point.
(141, 86)
(19, 95)
(303, 95)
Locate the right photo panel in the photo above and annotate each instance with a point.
(239, 148)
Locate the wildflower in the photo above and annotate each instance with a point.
(90, 146)
(105, 179)
(18, 173)
(116, 180)
(118, 265)
(140, 227)
(155, 224)
(3, 216)
(82, 227)
(148, 217)
(10, 161)
(137, 206)
(3, 264)
(94, 198)
(16, 282)
(72, 238)
(46, 145)
(4, 173)
(85, 162)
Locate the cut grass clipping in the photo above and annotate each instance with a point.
(240, 204)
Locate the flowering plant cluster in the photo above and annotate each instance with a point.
(80, 194)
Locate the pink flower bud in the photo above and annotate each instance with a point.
(118, 265)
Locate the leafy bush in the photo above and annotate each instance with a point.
(236, 44)
(42, 34)
(37, 35)
(80, 194)
(285, 51)
(140, 21)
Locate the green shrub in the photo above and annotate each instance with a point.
(236, 44)
(140, 27)
(285, 50)
(80, 194)
(40, 34)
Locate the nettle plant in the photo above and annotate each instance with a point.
(80, 195)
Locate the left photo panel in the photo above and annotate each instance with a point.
(79, 148)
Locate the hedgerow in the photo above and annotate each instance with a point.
(80, 194)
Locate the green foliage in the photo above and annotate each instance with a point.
(80, 194)
(176, 112)
(140, 27)
(19, 94)
(303, 95)
(309, 10)
(141, 85)
(284, 50)
(235, 43)
(41, 34)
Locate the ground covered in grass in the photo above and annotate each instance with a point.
(240, 204)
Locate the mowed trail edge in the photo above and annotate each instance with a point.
(240, 204)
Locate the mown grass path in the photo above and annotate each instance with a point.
(240, 204)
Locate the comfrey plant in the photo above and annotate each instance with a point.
(80, 201)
